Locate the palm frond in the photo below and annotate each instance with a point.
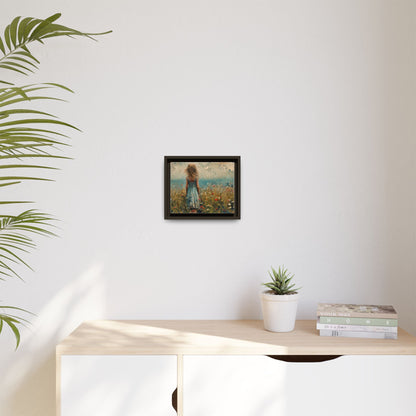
(16, 232)
(22, 31)
(29, 133)
(13, 321)
(25, 134)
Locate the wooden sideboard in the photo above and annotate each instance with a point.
(227, 368)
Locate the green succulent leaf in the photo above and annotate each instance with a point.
(281, 282)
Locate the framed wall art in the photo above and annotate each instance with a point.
(202, 187)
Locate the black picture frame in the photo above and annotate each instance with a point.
(236, 215)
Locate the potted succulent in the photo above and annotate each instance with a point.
(279, 302)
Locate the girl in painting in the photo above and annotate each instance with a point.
(192, 188)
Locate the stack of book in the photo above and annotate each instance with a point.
(357, 321)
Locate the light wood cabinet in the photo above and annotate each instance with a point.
(223, 368)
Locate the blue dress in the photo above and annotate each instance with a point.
(192, 197)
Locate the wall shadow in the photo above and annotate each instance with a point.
(28, 379)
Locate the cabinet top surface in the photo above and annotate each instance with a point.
(219, 337)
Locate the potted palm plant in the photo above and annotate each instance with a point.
(280, 301)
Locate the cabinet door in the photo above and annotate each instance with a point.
(118, 385)
(259, 385)
(232, 385)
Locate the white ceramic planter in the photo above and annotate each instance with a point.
(279, 311)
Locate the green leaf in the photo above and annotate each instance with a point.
(38, 121)
(12, 320)
(9, 183)
(14, 257)
(13, 30)
(34, 155)
(15, 331)
(24, 178)
(27, 54)
(15, 202)
(21, 28)
(15, 65)
(28, 29)
(18, 100)
(2, 46)
(53, 84)
(14, 166)
(7, 37)
(26, 61)
(44, 24)
(11, 68)
(7, 113)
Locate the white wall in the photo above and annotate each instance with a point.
(317, 97)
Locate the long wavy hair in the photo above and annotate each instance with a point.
(192, 171)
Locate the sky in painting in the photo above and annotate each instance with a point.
(207, 170)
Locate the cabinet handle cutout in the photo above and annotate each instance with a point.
(304, 358)
(175, 400)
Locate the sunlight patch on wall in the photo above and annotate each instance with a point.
(30, 372)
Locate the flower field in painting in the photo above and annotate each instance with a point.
(215, 199)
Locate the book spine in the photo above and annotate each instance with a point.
(338, 320)
(357, 334)
(380, 315)
(361, 328)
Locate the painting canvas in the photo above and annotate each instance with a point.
(202, 187)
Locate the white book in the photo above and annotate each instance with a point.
(357, 334)
(360, 328)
